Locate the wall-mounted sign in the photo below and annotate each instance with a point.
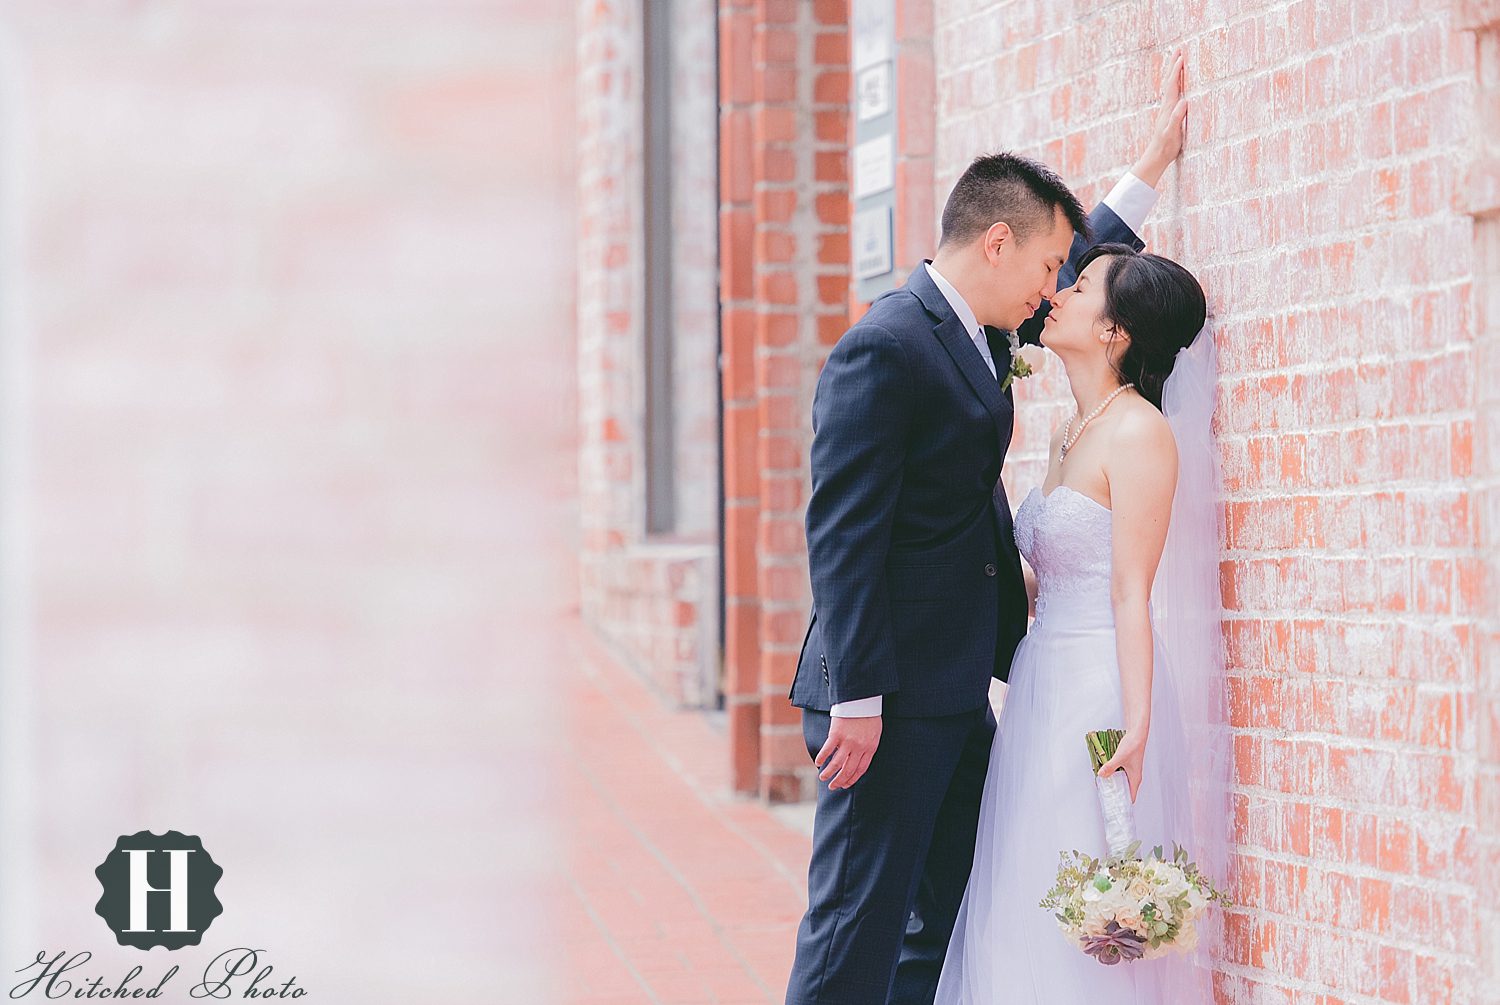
(874, 166)
(872, 181)
(872, 242)
(874, 26)
(872, 91)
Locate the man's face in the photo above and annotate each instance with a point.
(1023, 275)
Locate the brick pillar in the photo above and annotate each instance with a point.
(786, 291)
(784, 254)
(738, 325)
(823, 274)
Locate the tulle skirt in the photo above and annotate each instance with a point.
(1040, 800)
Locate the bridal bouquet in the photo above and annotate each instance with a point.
(1127, 907)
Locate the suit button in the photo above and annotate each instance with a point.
(989, 569)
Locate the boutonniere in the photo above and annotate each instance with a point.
(1025, 360)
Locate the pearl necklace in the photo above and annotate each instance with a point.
(1068, 441)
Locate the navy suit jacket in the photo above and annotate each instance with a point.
(916, 580)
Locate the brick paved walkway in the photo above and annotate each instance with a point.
(681, 892)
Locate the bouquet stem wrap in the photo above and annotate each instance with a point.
(1119, 815)
(1114, 791)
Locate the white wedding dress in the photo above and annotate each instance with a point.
(1040, 798)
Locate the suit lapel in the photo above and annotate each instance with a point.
(950, 333)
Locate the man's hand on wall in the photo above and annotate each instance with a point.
(1167, 130)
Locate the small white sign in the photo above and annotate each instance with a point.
(874, 166)
(872, 91)
(872, 242)
(874, 25)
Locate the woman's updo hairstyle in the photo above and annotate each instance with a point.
(1159, 305)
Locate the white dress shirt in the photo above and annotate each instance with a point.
(1132, 201)
(961, 308)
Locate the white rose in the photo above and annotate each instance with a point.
(1172, 882)
(1033, 356)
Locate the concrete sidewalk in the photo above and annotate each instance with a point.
(680, 891)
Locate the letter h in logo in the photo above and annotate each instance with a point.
(185, 876)
(140, 888)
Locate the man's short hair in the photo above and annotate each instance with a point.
(1022, 192)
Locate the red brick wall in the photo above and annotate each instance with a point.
(1331, 201)
(1481, 716)
(784, 249)
(1322, 201)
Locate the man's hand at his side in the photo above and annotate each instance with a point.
(847, 752)
(1167, 129)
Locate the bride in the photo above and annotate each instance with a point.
(1105, 651)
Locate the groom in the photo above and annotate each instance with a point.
(918, 596)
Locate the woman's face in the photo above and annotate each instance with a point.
(1075, 323)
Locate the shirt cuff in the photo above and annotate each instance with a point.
(859, 708)
(1132, 200)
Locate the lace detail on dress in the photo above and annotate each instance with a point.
(1065, 536)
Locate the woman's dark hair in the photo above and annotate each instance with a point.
(1159, 305)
